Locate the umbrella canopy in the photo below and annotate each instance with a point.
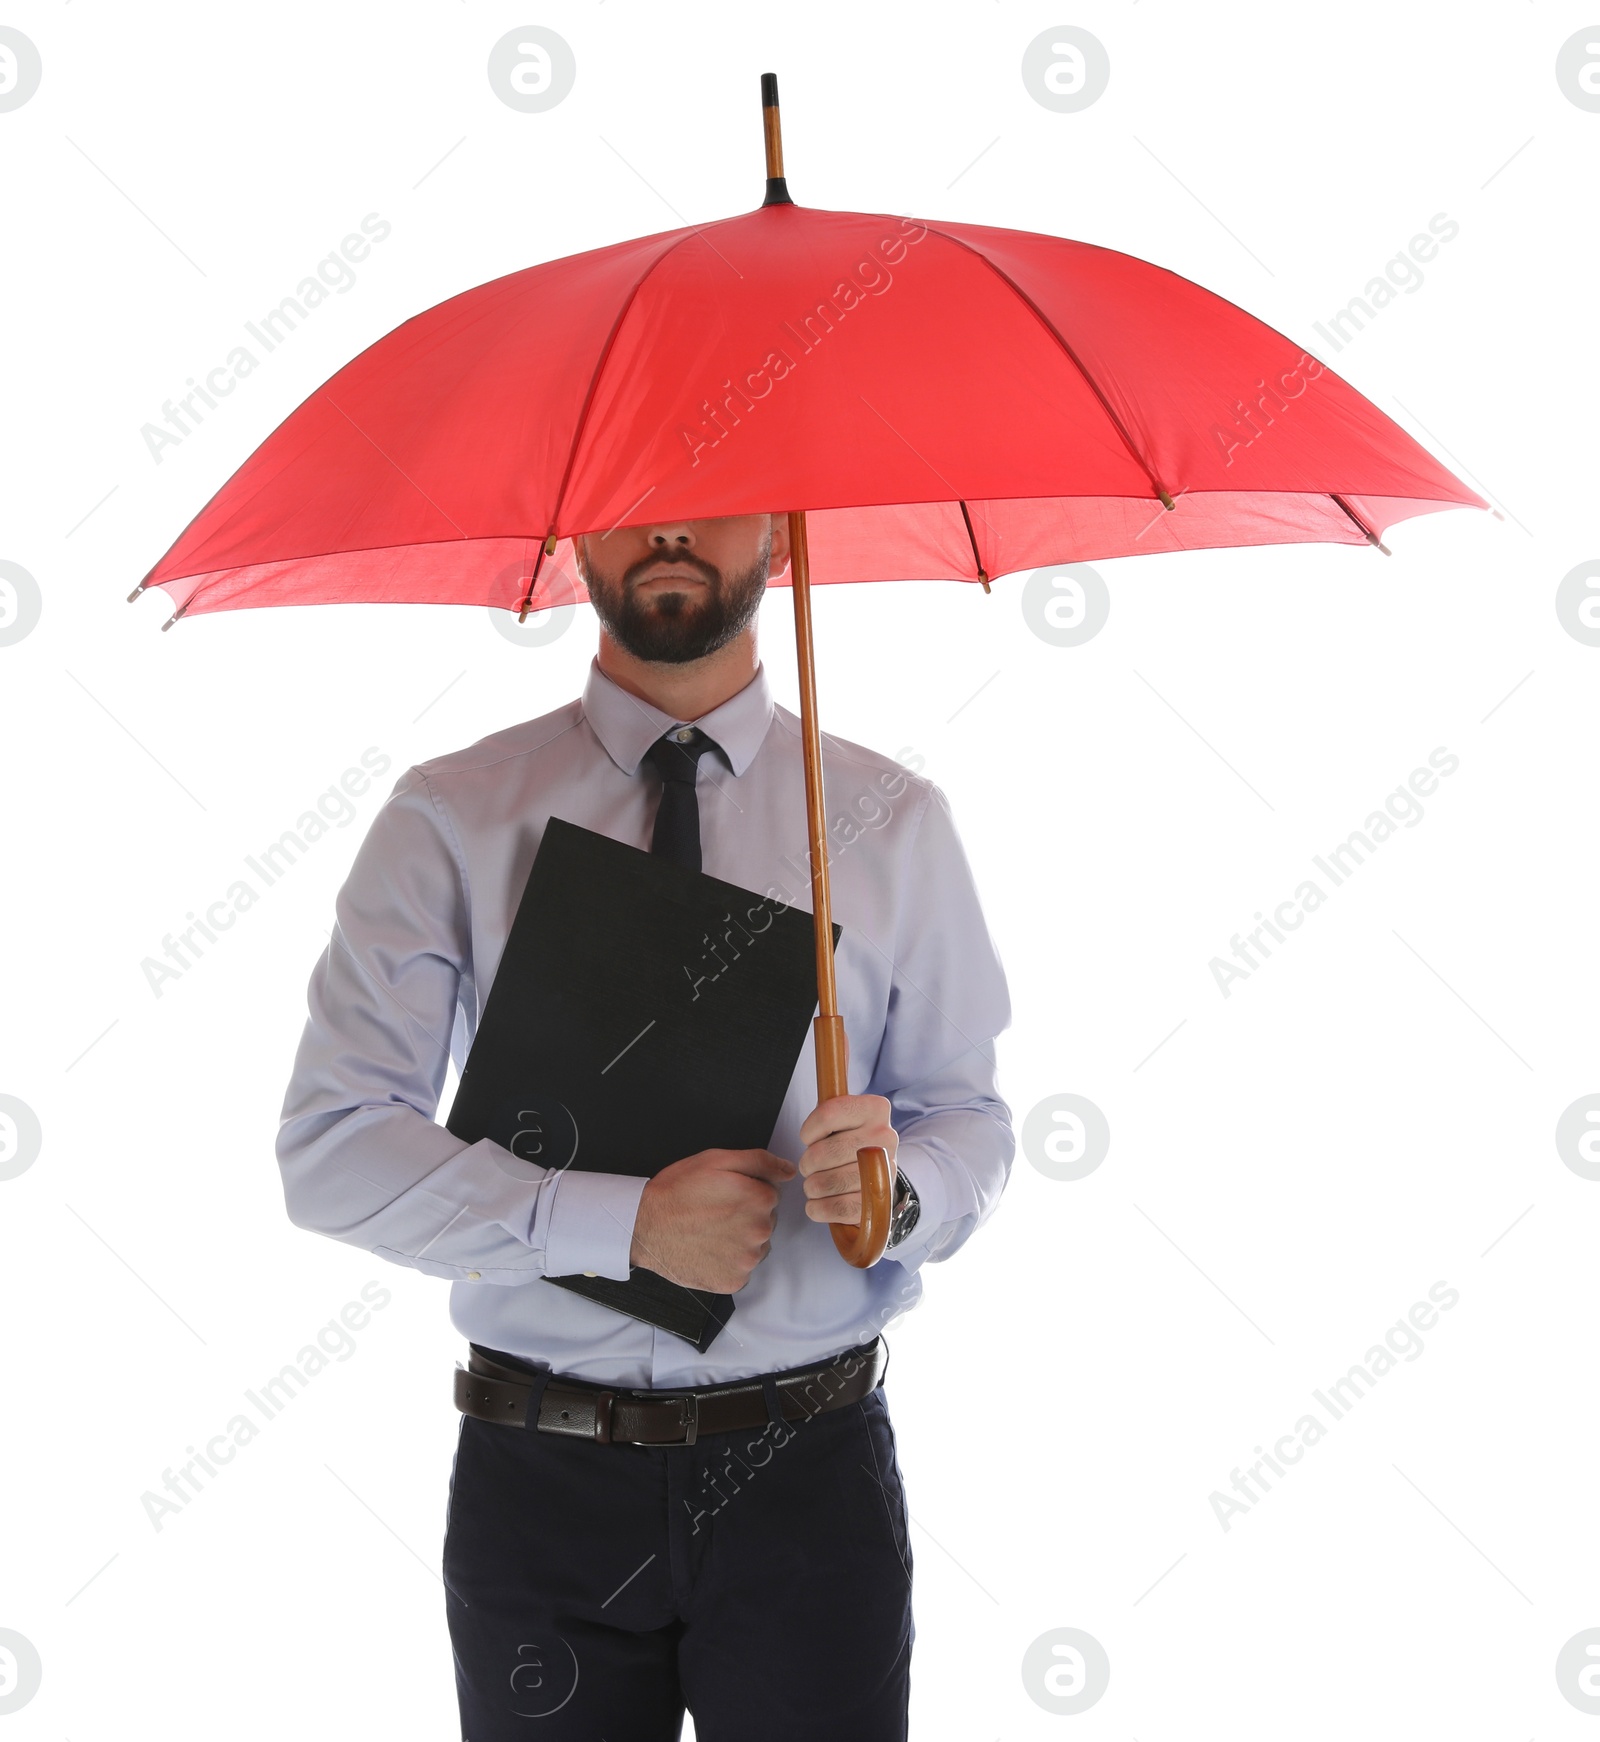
(924, 400)
(947, 401)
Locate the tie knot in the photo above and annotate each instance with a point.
(676, 754)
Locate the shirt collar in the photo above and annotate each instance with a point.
(627, 725)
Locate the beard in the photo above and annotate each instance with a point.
(673, 628)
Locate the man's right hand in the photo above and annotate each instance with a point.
(706, 1221)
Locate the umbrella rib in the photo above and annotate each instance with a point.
(983, 573)
(599, 370)
(972, 539)
(1366, 531)
(1077, 362)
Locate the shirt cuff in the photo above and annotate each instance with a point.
(923, 1171)
(589, 1230)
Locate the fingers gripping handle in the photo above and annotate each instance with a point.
(862, 1243)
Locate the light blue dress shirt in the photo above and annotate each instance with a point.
(422, 920)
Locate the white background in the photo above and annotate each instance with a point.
(1291, 1166)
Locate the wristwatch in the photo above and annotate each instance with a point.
(907, 1207)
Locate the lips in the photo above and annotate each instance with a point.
(682, 575)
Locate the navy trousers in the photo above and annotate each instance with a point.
(762, 1578)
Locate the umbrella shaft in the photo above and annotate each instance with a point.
(829, 1027)
(772, 134)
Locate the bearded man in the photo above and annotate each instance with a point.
(636, 1527)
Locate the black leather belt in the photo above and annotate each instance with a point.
(492, 1390)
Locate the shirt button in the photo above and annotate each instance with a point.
(591, 1273)
(683, 735)
(474, 1276)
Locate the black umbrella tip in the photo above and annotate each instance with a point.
(769, 90)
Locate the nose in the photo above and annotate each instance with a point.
(671, 536)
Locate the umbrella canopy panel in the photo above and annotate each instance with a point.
(950, 401)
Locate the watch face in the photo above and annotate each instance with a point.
(907, 1207)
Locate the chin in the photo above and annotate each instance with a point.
(675, 650)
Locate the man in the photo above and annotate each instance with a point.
(635, 1526)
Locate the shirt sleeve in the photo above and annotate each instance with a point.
(948, 1001)
(361, 1155)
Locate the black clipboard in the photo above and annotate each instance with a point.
(641, 1012)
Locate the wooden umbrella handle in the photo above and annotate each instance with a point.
(863, 1244)
(860, 1243)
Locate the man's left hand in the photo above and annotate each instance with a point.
(832, 1133)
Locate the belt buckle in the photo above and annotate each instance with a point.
(689, 1404)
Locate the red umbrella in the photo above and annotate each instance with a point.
(927, 401)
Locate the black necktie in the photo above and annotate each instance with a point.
(676, 754)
